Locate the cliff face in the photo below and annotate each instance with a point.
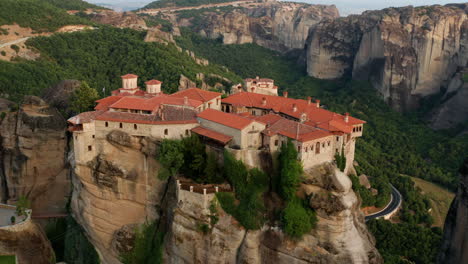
(340, 236)
(406, 53)
(455, 240)
(33, 158)
(276, 25)
(116, 189)
(119, 19)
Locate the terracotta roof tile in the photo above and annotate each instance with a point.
(169, 115)
(295, 130)
(153, 82)
(84, 117)
(104, 103)
(129, 76)
(226, 119)
(212, 134)
(196, 94)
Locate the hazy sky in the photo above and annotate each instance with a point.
(345, 6)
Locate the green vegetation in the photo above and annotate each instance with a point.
(249, 186)
(465, 78)
(298, 218)
(3, 53)
(15, 48)
(180, 3)
(400, 243)
(189, 157)
(37, 14)
(22, 205)
(340, 159)
(157, 20)
(440, 199)
(147, 247)
(99, 57)
(83, 98)
(7, 260)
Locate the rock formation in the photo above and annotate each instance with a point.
(27, 241)
(406, 53)
(279, 26)
(33, 159)
(117, 188)
(119, 19)
(454, 248)
(340, 236)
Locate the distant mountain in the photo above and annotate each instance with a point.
(73, 4)
(179, 3)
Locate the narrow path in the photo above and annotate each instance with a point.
(2, 45)
(393, 205)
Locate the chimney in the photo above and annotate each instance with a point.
(294, 108)
(285, 94)
(318, 103)
(264, 101)
(309, 100)
(185, 100)
(346, 117)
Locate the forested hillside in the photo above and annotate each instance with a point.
(393, 144)
(73, 4)
(99, 57)
(40, 15)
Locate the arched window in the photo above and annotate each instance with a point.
(328, 143)
(276, 142)
(120, 125)
(317, 148)
(166, 131)
(107, 124)
(135, 126)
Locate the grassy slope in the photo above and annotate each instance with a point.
(36, 14)
(440, 199)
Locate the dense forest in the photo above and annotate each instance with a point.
(40, 15)
(99, 57)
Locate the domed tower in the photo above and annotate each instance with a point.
(153, 86)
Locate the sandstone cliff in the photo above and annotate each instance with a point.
(115, 190)
(406, 53)
(119, 19)
(279, 26)
(455, 240)
(33, 158)
(340, 236)
(27, 241)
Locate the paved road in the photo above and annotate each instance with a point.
(13, 42)
(394, 203)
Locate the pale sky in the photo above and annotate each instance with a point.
(345, 6)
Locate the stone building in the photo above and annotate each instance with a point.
(257, 85)
(245, 123)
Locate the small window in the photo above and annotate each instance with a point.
(120, 125)
(360, 128)
(90, 148)
(354, 129)
(323, 144)
(186, 132)
(76, 137)
(166, 131)
(94, 136)
(276, 142)
(337, 138)
(107, 124)
(306, 149)
(328, 143)
(298, 148)
(312, 148)
(135, 126)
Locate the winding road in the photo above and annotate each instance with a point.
(395, 202)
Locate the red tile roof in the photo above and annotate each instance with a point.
(129, 76)
(286, 106)
(226, 119)
(153, 82)
(197, 94)
(212, 134)
(169, 115)
(295, 130)
(151, 103)
(104, 103)
(84, 117)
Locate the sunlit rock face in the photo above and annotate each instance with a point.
(279, 26)
(407, 53)
(33, 156)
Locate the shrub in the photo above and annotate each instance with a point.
(297, 219)
(290, 171)
(16, 48)
(3, 53)
(148, 246)
(83, 98)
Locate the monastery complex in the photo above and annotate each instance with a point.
(251, 120)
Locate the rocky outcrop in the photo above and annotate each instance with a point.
(118, 188)
(454, 248)
(33, 161)
(340, 236)
(119, 19)
(406, 53)
(27, 242)
(279, 26)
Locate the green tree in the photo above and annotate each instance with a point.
(297, 219)
(22, 205)
(83, 98)
(147, 246)
(290, 171)
(171, 155)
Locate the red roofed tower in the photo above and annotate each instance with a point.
(153, 86)
(129, 82)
